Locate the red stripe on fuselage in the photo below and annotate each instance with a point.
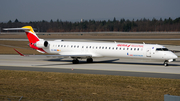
(36, 48)
(42, 50)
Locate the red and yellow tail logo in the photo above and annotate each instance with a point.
(33, 38)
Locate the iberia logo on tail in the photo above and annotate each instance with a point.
(32, 37)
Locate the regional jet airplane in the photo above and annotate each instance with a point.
(90, 50)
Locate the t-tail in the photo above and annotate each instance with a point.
(32, 37)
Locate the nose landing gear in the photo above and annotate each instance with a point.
(165, 63)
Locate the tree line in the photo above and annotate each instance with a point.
(139, 25)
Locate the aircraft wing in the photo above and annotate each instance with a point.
(59, 56)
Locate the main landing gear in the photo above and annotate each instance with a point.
(89, 60)
(165, 63)
(76, 61)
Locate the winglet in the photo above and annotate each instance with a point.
(20, 53)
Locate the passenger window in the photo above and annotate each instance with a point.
(71, 46)
(86, 46)
(64, 45)
(102, 47)
(74, 46)
(96, 47)
(134, 48)
(131, 48)
(77, 46)
(116, 48)
(109, 47)
(123, 48)
(127, 48)
(138, 49)
(106, 48)
(113, 48)
(82, 46)
(61, 45)
(119, 48)
(58, 45)
(89, 46)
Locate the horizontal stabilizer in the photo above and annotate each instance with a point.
(26, 29)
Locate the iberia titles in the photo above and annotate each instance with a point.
(129, 45)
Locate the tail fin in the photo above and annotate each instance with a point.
(31, 35)
(33, 38)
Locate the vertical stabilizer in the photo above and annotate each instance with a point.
(31, 35)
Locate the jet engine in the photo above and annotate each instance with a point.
(41, 44)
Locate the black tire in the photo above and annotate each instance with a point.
(165, 64)
(75, 61)
(89, 60)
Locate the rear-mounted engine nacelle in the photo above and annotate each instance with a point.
(41, 44)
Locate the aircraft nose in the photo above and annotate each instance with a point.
(174, 56)
(171, 55)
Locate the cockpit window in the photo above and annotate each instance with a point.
(162, 49)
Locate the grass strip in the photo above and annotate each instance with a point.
(41, 86)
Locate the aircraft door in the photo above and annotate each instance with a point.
(148, 52)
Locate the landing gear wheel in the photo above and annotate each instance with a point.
(165, 63)
(76, 61)
(89, 60)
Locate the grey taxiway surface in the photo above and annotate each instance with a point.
(107, 66)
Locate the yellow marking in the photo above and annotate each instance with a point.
(30, 29)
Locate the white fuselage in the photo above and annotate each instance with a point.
(89, 50)
(120, 50)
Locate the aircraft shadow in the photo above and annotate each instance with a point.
(70, 62)
(104, 61)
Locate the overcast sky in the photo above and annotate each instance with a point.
(74, 10)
